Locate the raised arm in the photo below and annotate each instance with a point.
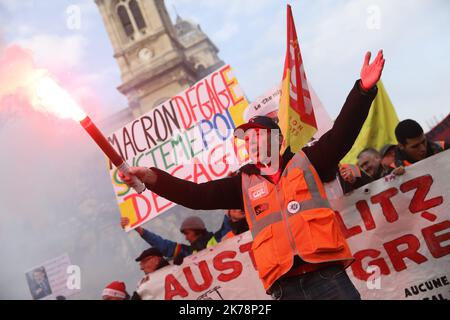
(224, 228)
(218, 194)
(167, 247)
(337, 142)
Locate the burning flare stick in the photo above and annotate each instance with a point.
(109, 151)
(50, 97)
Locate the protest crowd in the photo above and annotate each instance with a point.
(412, 147)
(307, 208)
(253, 191)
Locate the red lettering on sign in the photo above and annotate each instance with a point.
(397, 252)
(384, 199)
(434, 242)
(423, 185)
(221, 148)
(140, 217)
(366, 215)
(247, 247)
(221, 265)
(159, 208)
(226, 94)
(214, 99)
(203, 106)
(358, 269)
(348, 233)
(191, 104)
(173, 288)
(183, 111)
(397, 256)
(200, 170)
(206, 276)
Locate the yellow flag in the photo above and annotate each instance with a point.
(379, 127)
(296, 114)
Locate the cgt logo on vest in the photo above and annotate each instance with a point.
(258, 191)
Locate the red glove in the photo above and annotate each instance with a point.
(371, 73)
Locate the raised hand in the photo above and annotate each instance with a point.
(371, 72)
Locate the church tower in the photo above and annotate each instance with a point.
(157, 59)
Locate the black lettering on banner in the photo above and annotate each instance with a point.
(133, 136)
(147, 125)
(127, 142)
(158, 124)
(171, 117)
(427, 286)
(115, 143)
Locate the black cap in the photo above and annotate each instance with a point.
(386, 149)
(149, 252)
(256, 122)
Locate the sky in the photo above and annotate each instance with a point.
(56, 196)
(334, 36)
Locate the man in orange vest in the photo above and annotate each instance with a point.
(299, 249)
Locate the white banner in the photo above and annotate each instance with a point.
(398, 229)
(224, 272)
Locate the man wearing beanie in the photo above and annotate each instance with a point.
(195, 233)
(116, 290)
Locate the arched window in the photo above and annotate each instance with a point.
(137, 15)
(125, 20)
(202, 71)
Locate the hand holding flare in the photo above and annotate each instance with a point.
(142, 174)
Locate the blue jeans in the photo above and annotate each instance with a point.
(328, 283)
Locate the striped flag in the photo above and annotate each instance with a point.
(296, 113)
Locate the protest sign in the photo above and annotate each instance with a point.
(190, 136)
(49, 280)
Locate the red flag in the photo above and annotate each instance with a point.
(296, 113)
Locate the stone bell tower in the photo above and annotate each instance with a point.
(152, 60)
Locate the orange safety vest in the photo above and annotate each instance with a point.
(229, 235)
(441, 144)
(291, 218)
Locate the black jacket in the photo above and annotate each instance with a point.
(324, 155)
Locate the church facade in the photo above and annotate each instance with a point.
(156, 57)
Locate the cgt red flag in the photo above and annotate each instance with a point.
(296, 113)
